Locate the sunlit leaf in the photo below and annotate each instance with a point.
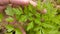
(9, 11)
(9, 28)
(9, 19)
(30, 26)
(1, 16)
(17, 31)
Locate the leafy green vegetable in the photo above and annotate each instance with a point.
(35, 22)
(30, 26)
(9, 11)
(9, 19)
(1, 16)
(18, 31)
(9, 28)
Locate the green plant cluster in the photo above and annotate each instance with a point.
(33, 21)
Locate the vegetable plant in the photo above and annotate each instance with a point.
(44, 18)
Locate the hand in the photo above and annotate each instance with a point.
(18, 2)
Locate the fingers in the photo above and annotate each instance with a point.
(2, 8)
(23, 2)
(4, 2)
(33, 3)
(19, 2)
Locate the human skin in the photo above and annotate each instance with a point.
(16, 2)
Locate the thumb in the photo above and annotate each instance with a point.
(33, 3)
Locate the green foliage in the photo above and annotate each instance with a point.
(9, 28)
(30, 26)
(18, 31)
(1, 16)
(9, 11)
(9, 19)
(22, 18)
(50, 24)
